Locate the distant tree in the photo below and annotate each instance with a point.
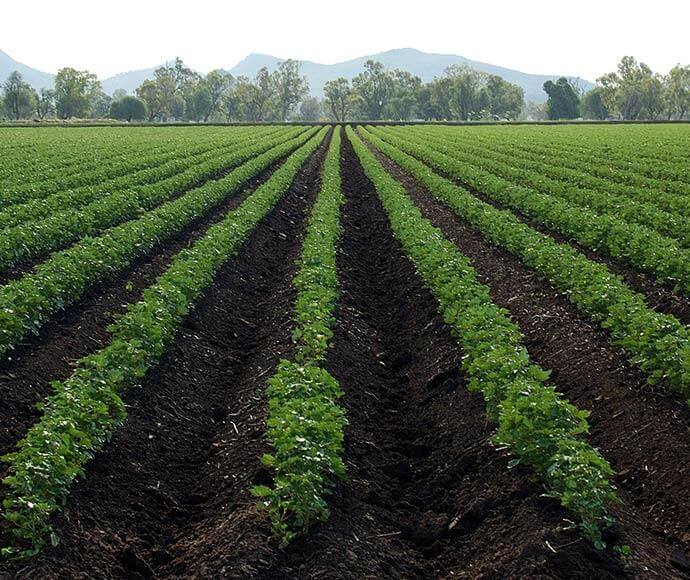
(289, 87)
(149, 92)
(467, 99)
(168, 92)
(310, 109)
(75, 93)
(505, 100)
(340, 98)
(375, 86)
(99, 105)
(563, 101)
(177, 107)
(45, 103)
(217, 83)
(433, 99)
(678, 91)
(592, 105)
(629, 92)
(402, 103)
(653, 96)
(182, 75)
(249, 100)
(19, 98)
(198, 103)
(128, 108)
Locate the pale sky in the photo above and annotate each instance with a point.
(583, 38)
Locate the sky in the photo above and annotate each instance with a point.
(584, 38)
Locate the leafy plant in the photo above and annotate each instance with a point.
(305, 423)
(543, 430)
(658, 343)
(81, 414)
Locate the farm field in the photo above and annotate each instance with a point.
(357, 351)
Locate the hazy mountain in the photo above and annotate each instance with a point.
(423, 64)
(36, 78)
(128, 81)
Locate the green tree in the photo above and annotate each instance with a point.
(150, 93)
(653, 96)
(289, 87)
(45, 103)
(340, 98)
(375, 86)
(259, 96)
(467, 99)
(433, 99)
(678, 91)
(217, 83)
(310, 109)
(19, 99)
(128, 108)
(75, 93)
(99, 105)
(563, 101)
(248, 100)
(627, 91)
(592, 105)
(505, 100)
(168, 92)
(402, 104)
(197, 103)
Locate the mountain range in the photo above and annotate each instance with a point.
(425, 65)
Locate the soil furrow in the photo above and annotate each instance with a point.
(426, 495)
(640, 429)
(163, 469)
(26, 375)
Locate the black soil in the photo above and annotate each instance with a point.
(26, 375)
(163, 472)
(641, 430)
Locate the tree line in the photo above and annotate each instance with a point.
(633, 92)
(177, 93)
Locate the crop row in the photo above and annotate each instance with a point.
(34, 239)
(305, 423)
(637, 245)
(81, 414)
(658, 343)
(156, 170)
(541, 429)
(641, 209)
(116, 166)
(610, 153)
(28, 302)
(557, 165)
(94, 157)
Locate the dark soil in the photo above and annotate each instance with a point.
(165, 471)
(26, 375)
(640, 429)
